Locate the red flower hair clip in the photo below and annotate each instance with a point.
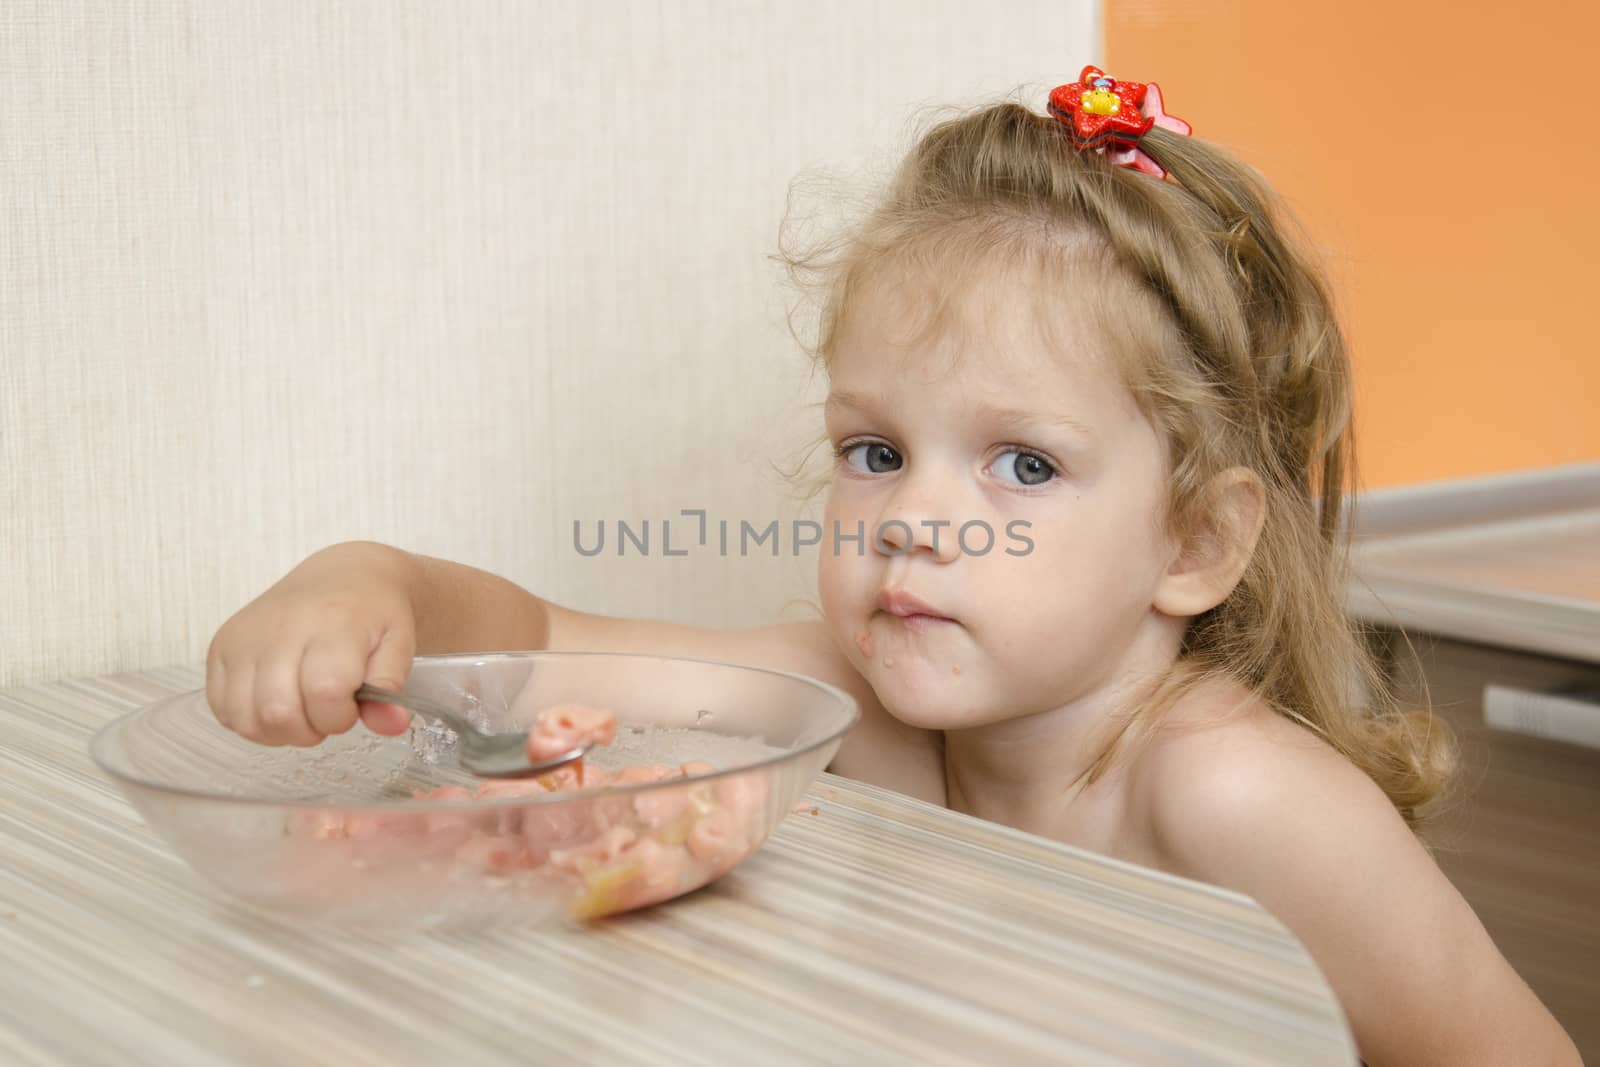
(1103, 113)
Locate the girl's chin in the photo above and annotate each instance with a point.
(922, 695)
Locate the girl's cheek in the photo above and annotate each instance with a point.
(834, 593)
(830, 583)
(830, 573)
(841, 561)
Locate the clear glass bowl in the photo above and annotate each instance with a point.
(336, 833)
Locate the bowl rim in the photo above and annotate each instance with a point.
(410, 804)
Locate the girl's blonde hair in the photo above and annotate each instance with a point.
(1229, 342)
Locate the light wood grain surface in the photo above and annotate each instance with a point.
(1507, 560)
(880, 929)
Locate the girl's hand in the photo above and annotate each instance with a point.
(284, 670)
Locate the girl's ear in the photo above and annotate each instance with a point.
(1216, 550)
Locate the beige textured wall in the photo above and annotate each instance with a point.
(452, 276)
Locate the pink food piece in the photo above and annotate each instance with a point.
(664, 871)
(625, 851)
(744, 794)
(380, 846)
(657, 808)
(374, 826)
(643, 774)
(592, 777)
(716, 842)
(512, 787)
(564, 727)
(562, 779)
(661, 866)
(494, 854)
(318, 824)
(653, 809)
(555, 827)
(596, 853)
(452, 826)
(507, 820)
(579, 774)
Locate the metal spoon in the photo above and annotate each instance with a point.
(486, 755)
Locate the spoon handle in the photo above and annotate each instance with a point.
(487, 755)
(418, 704)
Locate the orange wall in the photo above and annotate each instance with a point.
(1459, 240)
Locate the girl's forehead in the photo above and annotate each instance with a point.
(1003, 317)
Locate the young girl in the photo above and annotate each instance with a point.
(1092, 411)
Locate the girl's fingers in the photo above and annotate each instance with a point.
(280, 716)
(390, 663)
(329, 674)
(217, 688)
(387, 719)
(388, 668)
(238, 700)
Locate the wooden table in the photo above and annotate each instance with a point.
(880, 929)
(1508, 560)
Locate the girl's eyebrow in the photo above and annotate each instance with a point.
(1013, 417)
(841, 398)
(1010, 417)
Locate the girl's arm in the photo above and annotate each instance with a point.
(460, 609)
(285, 668)
(1318, 844)
(880, 749)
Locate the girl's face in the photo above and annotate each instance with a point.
(1035, 447)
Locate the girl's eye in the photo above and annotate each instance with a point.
(1023, 468)
(874, 457)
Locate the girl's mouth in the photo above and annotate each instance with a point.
(915, 613)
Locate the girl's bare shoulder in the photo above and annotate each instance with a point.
(1222, 758)
(1221, 724)
(1237, 795)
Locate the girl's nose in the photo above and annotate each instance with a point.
(905, 530)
